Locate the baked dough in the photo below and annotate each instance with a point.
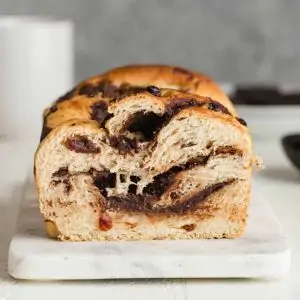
(122, 158)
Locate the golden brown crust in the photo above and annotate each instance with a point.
(81, 97)
(164, 76)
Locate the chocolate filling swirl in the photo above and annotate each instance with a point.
(149, 123)
(147, 202)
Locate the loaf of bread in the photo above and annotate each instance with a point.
(144, 153)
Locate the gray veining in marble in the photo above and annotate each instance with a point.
(233, 41)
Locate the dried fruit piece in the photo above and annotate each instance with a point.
(189, 227)
(105, 222)
(81, 144)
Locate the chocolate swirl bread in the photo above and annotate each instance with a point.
(122, 158)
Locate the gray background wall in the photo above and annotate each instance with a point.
(231, 40)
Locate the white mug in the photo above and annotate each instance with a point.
(36, 67)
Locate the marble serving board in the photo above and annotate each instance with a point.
(263, 251)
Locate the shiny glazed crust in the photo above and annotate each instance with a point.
(173, 77)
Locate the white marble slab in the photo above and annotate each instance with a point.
(263, 251)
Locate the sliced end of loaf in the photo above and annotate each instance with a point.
(157, 168)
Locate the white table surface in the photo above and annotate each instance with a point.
(280, 186)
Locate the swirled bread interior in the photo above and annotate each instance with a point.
(153, 163)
